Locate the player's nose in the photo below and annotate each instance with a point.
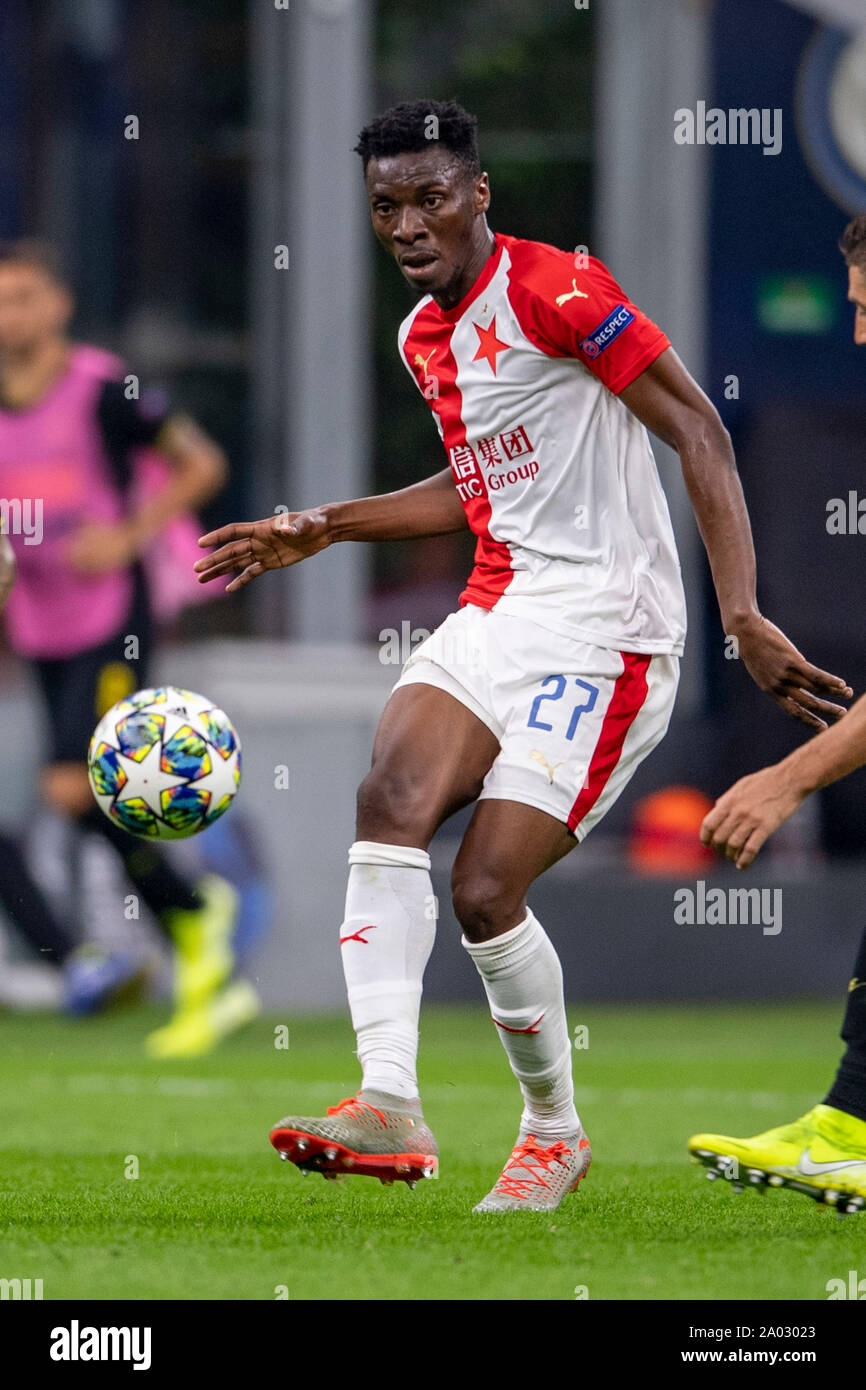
(408, 228)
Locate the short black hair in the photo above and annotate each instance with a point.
(413, 126)
(31, 251)
(852, 243)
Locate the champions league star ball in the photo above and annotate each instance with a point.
(164, 764)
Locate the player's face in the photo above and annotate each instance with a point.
(857, 296)
(33, 307)
(425, 211)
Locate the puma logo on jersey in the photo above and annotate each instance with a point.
(358, 936)
(551, 767)
(574, 293)
(856, 984)
(420, 361)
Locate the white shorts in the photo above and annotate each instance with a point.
(573, 721)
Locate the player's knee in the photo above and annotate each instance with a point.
(390, 807)
(66, 789)
(484, 905)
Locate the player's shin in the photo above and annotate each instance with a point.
(385, 943)
(522, 977)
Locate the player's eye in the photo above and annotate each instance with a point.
(433, 200)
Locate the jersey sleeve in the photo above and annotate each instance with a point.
(584, 313)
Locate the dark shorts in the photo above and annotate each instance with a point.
(79, 689)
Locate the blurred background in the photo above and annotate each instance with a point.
(219, 243)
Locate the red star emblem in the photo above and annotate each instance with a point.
(488, 344)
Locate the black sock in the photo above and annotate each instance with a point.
(159, 884)
(27, 908)
(848, 1091)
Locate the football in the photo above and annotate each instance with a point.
(164, 763)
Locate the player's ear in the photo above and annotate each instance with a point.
(482, 193)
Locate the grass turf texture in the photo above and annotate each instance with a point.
(213, 1214)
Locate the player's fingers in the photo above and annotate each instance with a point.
(822, 709)
(250, 573)
(225, 567)
(735, 839)
(712, 821)
(723, 830)
(238, 552)
(790, 706)
(235, 530)
(815, 679)
(751, 847)
(707, 827)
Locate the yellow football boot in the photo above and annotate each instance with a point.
(822, 1155)
(195, 1032)
(202, 938)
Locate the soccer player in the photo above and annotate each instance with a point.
(69, 435)
(539, 697)
(823, 1154)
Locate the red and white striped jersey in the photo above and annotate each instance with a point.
(556, 475)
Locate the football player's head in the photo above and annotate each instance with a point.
(428, 194)
(35, 304)
(853, 248)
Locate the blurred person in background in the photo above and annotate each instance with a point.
(823, 1154)
(96, 477)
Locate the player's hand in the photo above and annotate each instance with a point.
(777, 667)
(98, 547)
(7, 570)
(255, 546)
(749, 812)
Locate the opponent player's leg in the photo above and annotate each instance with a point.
(506, 847)
(848, 1092)
(822, 1154)
(430, 757)
(26, 905)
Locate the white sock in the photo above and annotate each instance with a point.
(386, 942)
(523, 980)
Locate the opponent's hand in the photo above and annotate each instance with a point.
(777, 667)
(255, 546)
(748, 813)
(98, 547)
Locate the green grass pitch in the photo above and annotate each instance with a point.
(213, 1214)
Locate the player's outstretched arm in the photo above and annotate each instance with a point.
(748, 814)
(7, 570)
(428, 508)
(671, 404)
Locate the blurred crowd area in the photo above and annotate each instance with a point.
(153, 222)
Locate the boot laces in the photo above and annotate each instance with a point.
(537, 1162)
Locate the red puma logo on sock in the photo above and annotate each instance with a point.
(356, 936)
(533, 1027)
